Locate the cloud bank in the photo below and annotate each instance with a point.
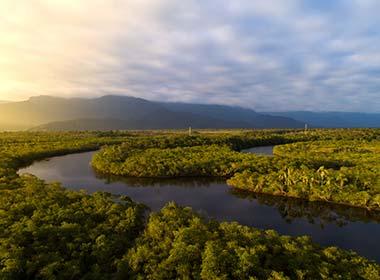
(268, 55)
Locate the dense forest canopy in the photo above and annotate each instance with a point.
(47, 232)
(341, 166)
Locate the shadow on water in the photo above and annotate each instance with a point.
(318, 213)
(188, 182)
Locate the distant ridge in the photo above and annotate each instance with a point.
(234, 113)
(125, 112)
(333, 119)
(116, 124)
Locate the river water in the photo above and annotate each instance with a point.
(349, 228)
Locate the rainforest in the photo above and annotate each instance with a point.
(50, 232)
(319, 165)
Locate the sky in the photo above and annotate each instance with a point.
(271, 55)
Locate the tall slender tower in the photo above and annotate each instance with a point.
(190, 131)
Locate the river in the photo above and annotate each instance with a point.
(349, 228)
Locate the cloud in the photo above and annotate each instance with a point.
(267, 55)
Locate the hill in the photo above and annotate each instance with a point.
(234, 114)
(124, 112)
(333, 119)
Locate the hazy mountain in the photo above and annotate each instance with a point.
(149, 123)
(333, 119)
(45, 109)
(42, 109)
(236, 114)
(86, 124)
(123, 112)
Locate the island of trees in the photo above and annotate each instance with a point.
(48, 232)
(340, 166)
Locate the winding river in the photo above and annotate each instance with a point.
(349, 228)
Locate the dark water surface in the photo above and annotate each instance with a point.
(262, 150)
(348, 228)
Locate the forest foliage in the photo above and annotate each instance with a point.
(48, 232)
(341, 166)
(353, 177)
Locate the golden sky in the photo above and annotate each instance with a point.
(57, 46)
(266, 55)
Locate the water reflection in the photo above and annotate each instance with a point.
(320, 213)
(262, 150)
(188, 182)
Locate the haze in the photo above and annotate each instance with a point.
(266, 55)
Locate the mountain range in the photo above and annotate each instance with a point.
(124, 112)
(333, 119)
